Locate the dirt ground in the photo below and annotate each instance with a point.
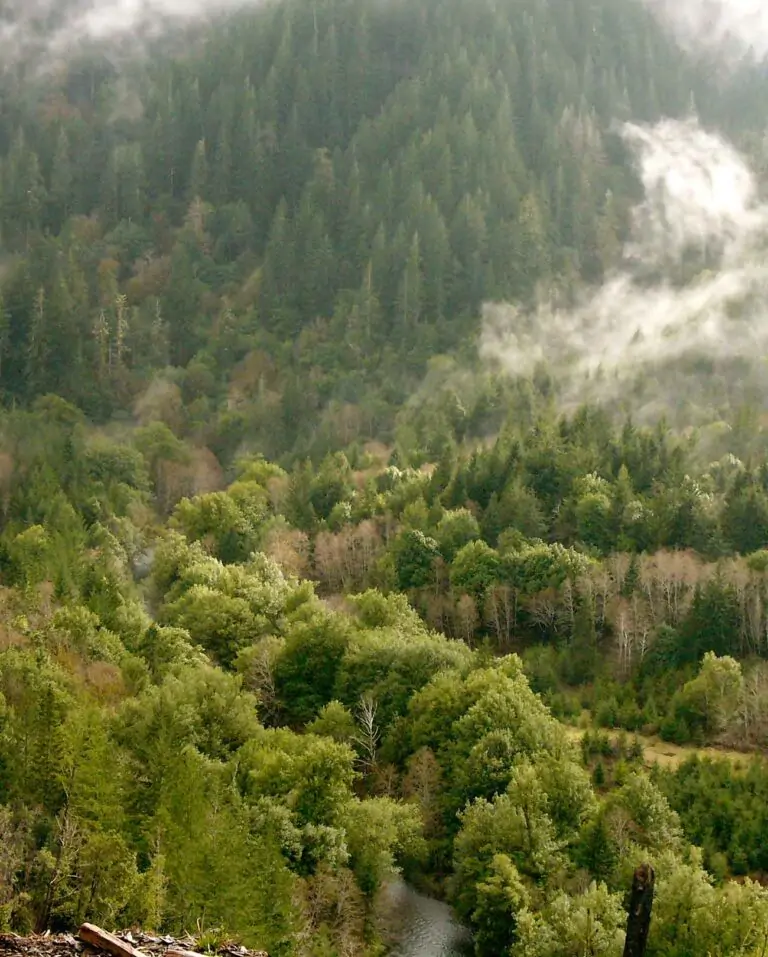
(671, 755)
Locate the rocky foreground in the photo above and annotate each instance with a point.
(92, 941)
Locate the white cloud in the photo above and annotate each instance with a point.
(700, 195)
(724, 26)
(56, 28)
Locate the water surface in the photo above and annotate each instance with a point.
(423, 927)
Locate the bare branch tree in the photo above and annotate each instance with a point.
(369, 735)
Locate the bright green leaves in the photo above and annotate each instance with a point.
(201, 831)
(307, 670)
(227, 527)
(569, 926)
(381, 833)
(225, 609)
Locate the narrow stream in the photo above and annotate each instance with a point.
(423, 927)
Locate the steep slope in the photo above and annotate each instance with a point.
(314, 199)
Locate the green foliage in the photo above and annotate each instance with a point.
(334, 721)
(590, 923)
(220, 521)
(708, 704)
(390, 665)
(475, 568)
(721, 809)
(415, 558)
(501, 896)
(283, 254)
(226, 608)
(655, 826)
(202, 830)
(307, 670)
(693, 913)
(516, 823)
(456, 529)
(313, 775)
(381, 833)
(200, 707)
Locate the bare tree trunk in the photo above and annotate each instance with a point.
(640, 906)
(369, 735)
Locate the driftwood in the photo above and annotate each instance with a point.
(640, 906)
(102, 940)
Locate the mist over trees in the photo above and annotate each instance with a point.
(352, 179)
(297, 593)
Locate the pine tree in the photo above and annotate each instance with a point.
(62, 182)
(221, 172)
(5, 334)
(410, 292)
(198, 176)
(23, 192)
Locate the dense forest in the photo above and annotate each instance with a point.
(297, 592)
(265, 240)
(320, 734)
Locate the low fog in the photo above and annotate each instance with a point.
(701, 207)
(732, 27)
(50, 30)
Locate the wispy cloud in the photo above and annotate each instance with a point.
(701, 199)
(730, 27)
(56, 28)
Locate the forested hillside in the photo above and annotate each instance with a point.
(230, 746)
(296, 586)
(279, 229)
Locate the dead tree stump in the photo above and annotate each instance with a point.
(640, 906)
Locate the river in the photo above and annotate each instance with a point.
(423, 927)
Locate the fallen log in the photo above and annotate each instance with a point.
(102, 940)
(178, 952)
